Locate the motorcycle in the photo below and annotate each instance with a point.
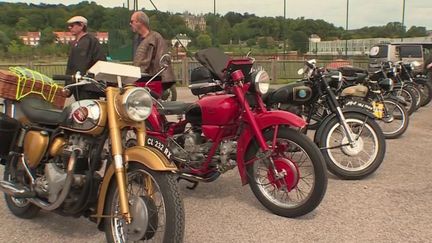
(222, 130)
(405, 91)
(351, 141)
(421, 82)
(359, 91)
(73, 162)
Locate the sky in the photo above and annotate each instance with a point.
(361, 12)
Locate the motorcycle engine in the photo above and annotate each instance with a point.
(50, 183)
(192, 148)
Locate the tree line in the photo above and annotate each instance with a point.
(222, 30)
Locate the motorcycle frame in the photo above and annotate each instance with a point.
(249, 126)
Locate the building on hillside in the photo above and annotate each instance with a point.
(67, 37)
(103, 37)
(30, 38)
(194, 22)
(182, 38)
(354, 46)
(64, 37)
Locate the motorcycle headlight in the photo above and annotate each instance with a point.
(135, 104)
(261, 82)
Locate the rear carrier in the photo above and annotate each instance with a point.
(202, 82)
(9, 129)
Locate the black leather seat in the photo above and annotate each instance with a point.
(173, 107)
(40, 111)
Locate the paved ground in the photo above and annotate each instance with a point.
(393, 205)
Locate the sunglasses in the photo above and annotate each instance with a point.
(71, 25)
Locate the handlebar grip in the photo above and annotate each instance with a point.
(62, 77)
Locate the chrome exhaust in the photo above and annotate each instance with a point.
(17, 191)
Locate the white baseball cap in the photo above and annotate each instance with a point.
(75, 19)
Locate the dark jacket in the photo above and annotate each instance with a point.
(148, 54)
(84, 54)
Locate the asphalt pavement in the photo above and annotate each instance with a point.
(392, 205)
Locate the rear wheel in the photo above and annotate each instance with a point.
(155, 206)
(301, 180)
(361, 159)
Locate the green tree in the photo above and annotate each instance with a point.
(4, 41)
(204, 41)
(23, 24)
(299, 41)
(415, 31)
(47, 37)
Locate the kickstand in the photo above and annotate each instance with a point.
(194, 183)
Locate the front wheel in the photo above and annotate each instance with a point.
(363, 157)
(20, 207)
(170, 94)
(408, 97)
(395, 119)
(300, 180)
(155, 205)
(426, 89)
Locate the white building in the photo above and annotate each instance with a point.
(354, 46)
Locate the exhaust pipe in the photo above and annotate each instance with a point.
(23, 192)
(13, 190)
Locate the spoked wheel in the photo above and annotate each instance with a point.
(417, 94)
(300, 181)
(155, 205)
(361, 159)
(408, 97)
(20, 207)
(426, 90)
(395, 119)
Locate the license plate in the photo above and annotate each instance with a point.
(159, 145)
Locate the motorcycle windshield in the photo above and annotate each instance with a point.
(214, 59)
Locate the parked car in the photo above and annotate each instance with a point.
(401, 51)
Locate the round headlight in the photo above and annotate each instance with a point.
(262, 82)
(136, 104)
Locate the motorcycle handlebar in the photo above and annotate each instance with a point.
(62, 77)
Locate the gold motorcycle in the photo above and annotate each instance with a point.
(73, 162)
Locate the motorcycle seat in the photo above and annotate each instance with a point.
(40, 111)
(173, 107)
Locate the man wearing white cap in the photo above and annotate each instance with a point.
(85, 52)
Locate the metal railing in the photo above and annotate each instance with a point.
(279, 70)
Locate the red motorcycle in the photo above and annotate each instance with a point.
(229, 126)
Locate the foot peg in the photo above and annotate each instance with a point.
(194, 183)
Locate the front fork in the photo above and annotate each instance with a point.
(335, 107)
(250, 118)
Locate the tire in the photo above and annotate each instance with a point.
(417, 94)
(426, 90)
(408, 96)
(394, 111)
(335, 165)
(19, 207)
(302, 145)
(171, 203)
(170, 94)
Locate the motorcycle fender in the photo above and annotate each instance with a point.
(345, 111)
(264, 120)
(149, 157)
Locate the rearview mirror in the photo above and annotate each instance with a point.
(300, 71)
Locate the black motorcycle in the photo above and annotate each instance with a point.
(359, 91)
(418, 81)
(351, 141)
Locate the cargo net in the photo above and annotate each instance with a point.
(33, 82)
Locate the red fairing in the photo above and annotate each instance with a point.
(219, 110)
(212, 132)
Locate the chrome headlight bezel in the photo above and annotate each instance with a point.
(261, 82)
(135, 104)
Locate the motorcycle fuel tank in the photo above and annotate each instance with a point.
(214, 110)
(86, 116)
